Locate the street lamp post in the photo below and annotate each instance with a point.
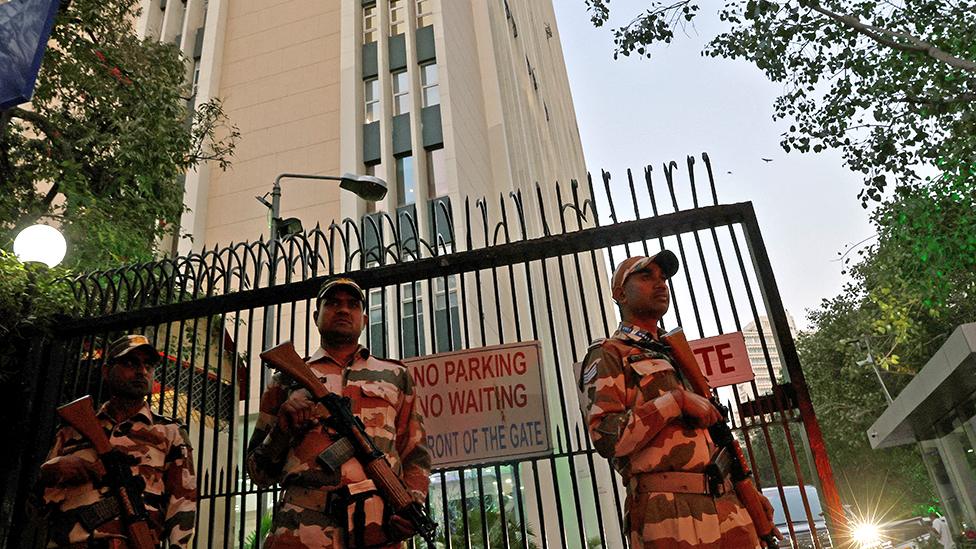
(367, 187)
(869, 361)
(874, 366)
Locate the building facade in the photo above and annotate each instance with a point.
(440, 99)
(446, 100)
(757, 356)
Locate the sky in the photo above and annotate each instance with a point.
(633, 112)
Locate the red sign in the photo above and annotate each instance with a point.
(723, 359)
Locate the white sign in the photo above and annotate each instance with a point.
(723, 359)
(482, 405)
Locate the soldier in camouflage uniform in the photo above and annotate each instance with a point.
(327, 499)
(642, 418)
(80, 511)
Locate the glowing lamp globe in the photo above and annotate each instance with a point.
(40, 243)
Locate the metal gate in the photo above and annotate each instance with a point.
(524, 266)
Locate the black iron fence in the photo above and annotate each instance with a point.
(529, 265)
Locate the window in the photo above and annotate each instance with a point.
(508, 15)
(425, 13)
(369, 24)
(531, 71)
(436, 173)
(406, 189)
(412, 321)
(398, 17)
(196, 77)
(428, 85)
(371, 97)
(377, 322)
(447, 322)
(401, 93)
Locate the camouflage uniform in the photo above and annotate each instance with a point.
(307, 515)
(165, 462)
(636, 423)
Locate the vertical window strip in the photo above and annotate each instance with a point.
(196, 77)
(401, 93)
(412, 321)
(369, 24)
(406, 188)
(430, 93)
(447, 321)
(377, 321)
(398, 17)
(371, 98)
(425, 13)
(436, 173)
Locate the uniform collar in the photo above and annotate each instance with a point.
(628, 331)
(145, 412)
(321, 354)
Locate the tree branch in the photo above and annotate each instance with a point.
(653, 13)
(47, 127)
(5, 117)
(51, 194)
(888, 38)
(962, 98)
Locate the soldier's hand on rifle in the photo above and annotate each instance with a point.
(297, 414)
(401, 528)
(697, 408)
(71, 470)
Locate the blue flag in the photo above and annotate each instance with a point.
(24, 29)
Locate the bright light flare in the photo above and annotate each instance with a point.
(868, 520)
(866, 535)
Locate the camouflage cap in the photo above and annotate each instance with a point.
(664, 259)
(341, 282)
(128, 343)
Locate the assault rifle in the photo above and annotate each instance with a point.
(722, 437)
(125, 487)
(284, 359)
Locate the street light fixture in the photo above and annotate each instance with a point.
(864, 344)
(367, 187)
(41, 244)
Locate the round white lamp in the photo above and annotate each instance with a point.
(40, 243)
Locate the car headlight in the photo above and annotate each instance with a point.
(866, 535)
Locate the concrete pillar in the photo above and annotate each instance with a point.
(940, 478)
(953, 454)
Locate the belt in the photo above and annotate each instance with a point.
(307, 498)
(677, 482)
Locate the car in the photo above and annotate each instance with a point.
(802, 529)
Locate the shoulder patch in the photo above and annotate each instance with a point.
(589, 372)
(158, 418)
(596, 344)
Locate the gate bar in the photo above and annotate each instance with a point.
(780, 327)
(477, 259)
